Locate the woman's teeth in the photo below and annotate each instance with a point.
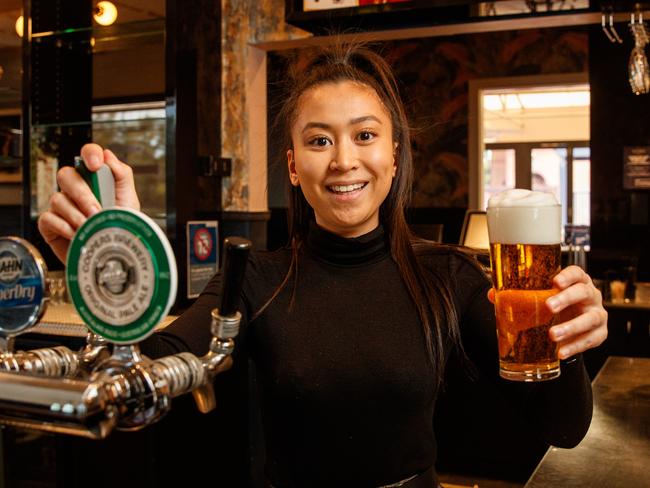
(346, 188)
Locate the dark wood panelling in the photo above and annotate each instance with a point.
(193, 95)
(56, 92)
(619, 218)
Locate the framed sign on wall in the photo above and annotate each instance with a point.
(311, 5)
(327, 16)
(636, 167)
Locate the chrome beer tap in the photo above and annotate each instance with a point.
(23, 300)
(129, 391)
(185, 372)
(56, 361)
(122, 279)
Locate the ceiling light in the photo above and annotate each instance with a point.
(19, 26)
(105, 13)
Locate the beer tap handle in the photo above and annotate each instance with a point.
(233, 266)
(101, 182)
(225, 319)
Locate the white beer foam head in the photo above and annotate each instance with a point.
(524, 217)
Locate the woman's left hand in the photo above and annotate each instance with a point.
(583, 320)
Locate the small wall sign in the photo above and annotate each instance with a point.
(202, 255)
(636, 167)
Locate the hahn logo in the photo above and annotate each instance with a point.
(10, 267)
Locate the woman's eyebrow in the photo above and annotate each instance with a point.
(315, 125)
(364, 118)
(354, 121)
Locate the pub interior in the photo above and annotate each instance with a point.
(531, 94)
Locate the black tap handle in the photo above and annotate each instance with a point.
(233, 266)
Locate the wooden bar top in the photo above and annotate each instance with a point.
(62, 319)
(615, 453)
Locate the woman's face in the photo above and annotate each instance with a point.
(343, 155)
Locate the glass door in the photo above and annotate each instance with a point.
(561, 168)
(548, 168)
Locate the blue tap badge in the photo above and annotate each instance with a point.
(22, 285)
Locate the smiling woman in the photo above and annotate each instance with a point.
(343, 156)
(352, 325)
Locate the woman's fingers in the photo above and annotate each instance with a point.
(69, 209)
(76, 192)
(125, 194)
(93, 156)
(577, 293)
(75, 202)
(585, 322)
(569, 276)
(64, 207)
(491, 295)
(56, 232)
(593, 337)
(579, 305)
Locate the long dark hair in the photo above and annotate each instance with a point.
(357, 63)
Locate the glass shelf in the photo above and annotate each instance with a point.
(62, 125)
(105, 115)
(120, 30)
(111, 38)
(93, 123)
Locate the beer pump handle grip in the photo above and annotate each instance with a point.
(101, 182)
(233, 266)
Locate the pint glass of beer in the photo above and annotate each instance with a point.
(525, 234)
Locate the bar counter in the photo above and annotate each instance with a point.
(62, 319)
(615, 453)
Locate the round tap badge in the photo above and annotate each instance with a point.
(121, 274)
(22, 285)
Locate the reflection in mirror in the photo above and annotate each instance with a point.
(128, 113)
(135, 132)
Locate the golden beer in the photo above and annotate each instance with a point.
(522, 277)
(524, 229)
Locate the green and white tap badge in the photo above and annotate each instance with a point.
(121, 274)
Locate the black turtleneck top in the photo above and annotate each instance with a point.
(346, 390)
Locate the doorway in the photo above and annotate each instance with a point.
(560, 168)
(532, 132)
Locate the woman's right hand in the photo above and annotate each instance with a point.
(75, 202)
